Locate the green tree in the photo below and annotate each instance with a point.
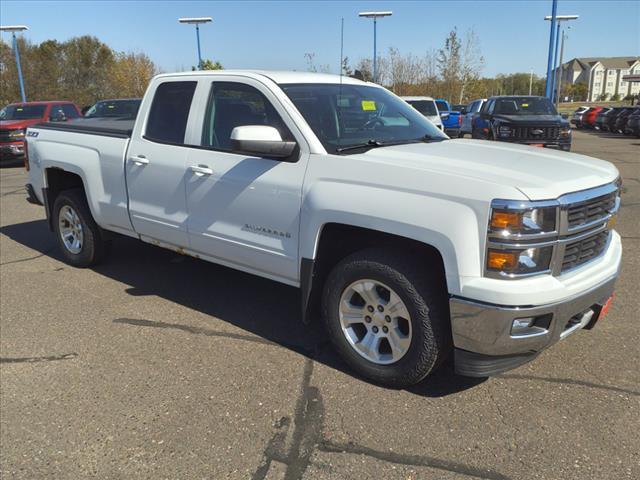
(208, 64)
(449, 63)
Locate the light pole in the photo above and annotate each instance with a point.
(530, 81)
(197, 21)
(13, 29)
(547, 89)
(551, 80)
(375, 16)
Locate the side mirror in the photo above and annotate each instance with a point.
(565, 116)
(58, 117)
(444, 116)
(463, 111)
(260, 140)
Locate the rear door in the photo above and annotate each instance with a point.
(244, 210)
(156, 164)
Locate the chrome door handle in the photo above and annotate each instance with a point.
(139, 160)
(201, 170)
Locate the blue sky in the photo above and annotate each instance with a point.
(276, 35)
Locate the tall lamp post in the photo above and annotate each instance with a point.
(375, 16)
(551, 80)
(197, 21)
(13, 29)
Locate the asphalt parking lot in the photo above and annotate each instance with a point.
(155, 365)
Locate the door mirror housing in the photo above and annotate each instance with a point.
(260, 140)
(444, 116)
(58, 117)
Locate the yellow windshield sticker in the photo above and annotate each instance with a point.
(368, 105)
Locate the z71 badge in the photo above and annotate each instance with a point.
(32, 134)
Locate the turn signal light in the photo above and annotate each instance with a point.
(506, 220)
(504, 261)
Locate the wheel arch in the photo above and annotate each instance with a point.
(335, 241)
(58, 180)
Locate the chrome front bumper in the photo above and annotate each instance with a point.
(486, 329)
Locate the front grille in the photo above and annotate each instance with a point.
(5, 138)
(581, 251)
(536, 133)
(591, 210)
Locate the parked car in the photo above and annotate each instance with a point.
(576, 118)
(589, 117)
(451, 120)
(529, 120)
(471, 117)
(600, 118)
(415, 248)
(16, 117)
(633, 123)
(125, 108)
(427, 107)
(609, 118)
(621, 120)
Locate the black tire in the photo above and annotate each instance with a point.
(94, 244)
(424, 296)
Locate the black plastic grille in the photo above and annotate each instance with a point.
(581, 251)
(536, 133)
(591, 210)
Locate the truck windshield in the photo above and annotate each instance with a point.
(344, 117)
(22, 112)
(442, 106)
(524, 106)
(425, 107)
(114, 108)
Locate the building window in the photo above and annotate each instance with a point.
(611, 72)
(623, 84)
(609, 84)
(597, 84)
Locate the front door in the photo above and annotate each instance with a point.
(244, 211)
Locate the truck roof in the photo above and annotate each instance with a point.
(410, 99)
(42, 102)
(280, 77)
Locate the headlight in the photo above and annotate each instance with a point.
(504, 131)
(16, 133)
(519, 262)
(506, 222)
(565, 131)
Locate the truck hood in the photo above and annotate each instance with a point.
(15, 124)
(539, 173)
(531, 119)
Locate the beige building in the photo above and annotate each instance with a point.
(603, 75)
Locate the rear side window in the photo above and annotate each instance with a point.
(70, 111)
(169, 112)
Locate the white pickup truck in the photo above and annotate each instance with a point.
(414, 247)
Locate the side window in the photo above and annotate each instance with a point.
(56, 113)
(169, 112)
(70, 111)
(233, 105)
(489, 107)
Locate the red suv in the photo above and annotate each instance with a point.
(16, 117)
(589, 117)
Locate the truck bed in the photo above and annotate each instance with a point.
(93, 126)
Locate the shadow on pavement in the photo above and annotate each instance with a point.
(267, 309)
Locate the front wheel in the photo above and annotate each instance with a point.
(386, 317)
(80, 239)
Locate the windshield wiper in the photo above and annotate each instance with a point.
(368, 145)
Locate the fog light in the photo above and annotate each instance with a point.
(521, 325)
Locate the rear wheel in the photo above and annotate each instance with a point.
(386, 317)
(81, 241)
